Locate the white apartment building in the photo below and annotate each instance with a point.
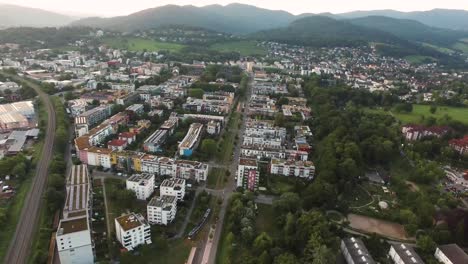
(451, 254)
(173, 187)
(74, 243)
(403, 254)
(141, 184)
(302, 169)
(245, 165)
(73, 240)
(132, 230)
(162, 210)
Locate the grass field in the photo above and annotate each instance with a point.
(139, 44)
(416, 59)
(461, 46)
(456, 113)
(161, 252)
(245, 48)
(216, 178)
(438, 48)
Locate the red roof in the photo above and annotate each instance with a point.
(461, 142)
(117, 142)
(127, 135)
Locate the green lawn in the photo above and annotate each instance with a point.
(161, 252)
(139, 44)
(417, 59)
(461, 46)
(438, 48)
(245, 48)
(216, 178)
(456, 113)
(280, 184)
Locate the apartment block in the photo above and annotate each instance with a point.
(191, 140)
(173, 187)
(248, 174)
(404, 254)
(132, 230)
(141, 184)
(162, 210)
(302, 169)
(355, 252)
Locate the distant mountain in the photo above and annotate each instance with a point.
(411, 30)
(19, 16)
(440, 18)
(233, 18)
(326, 31)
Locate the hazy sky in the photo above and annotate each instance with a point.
(124, 7)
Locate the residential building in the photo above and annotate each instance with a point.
(173, 187)
(73, 237)
(302, 169)
(243, 177)
(404, 254)
(93, 116)
(132, 230)
(117, 144)
(136, 108)
(451, 254)
(191, 140)
(141, 184)
(73, 240)
(213, 128)
(155, 141)
(416, 132)
(162, 210)
(460, 145)
(355, 252)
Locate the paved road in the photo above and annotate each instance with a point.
(20, 245)
(230, 188)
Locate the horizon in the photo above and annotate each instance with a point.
(53, 6)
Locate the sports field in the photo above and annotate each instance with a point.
(139, 44)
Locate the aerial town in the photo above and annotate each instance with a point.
(286, 153)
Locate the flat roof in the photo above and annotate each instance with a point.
(407, 253)
(130, 221)
(163, 201)
(358, 251)
(67, 226)
(247, 162)
(454, 253)
(173, 182)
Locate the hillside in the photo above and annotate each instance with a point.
(234, 18)
(440, 18)
(18, 16)
(411, 30)
(326, 31)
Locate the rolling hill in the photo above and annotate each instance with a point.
(326, 31)
(233, 18)
(440, 18)
(19, 16)
(411, 30)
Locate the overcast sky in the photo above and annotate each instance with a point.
(125, 7)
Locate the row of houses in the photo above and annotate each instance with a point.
(354, 251)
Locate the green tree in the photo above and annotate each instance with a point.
(426, 244)
(209, 147)
(286, 258)
(262, 243)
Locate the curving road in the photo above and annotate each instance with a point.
(20, 245)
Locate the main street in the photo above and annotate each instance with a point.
(209, 257)
(20, 245)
